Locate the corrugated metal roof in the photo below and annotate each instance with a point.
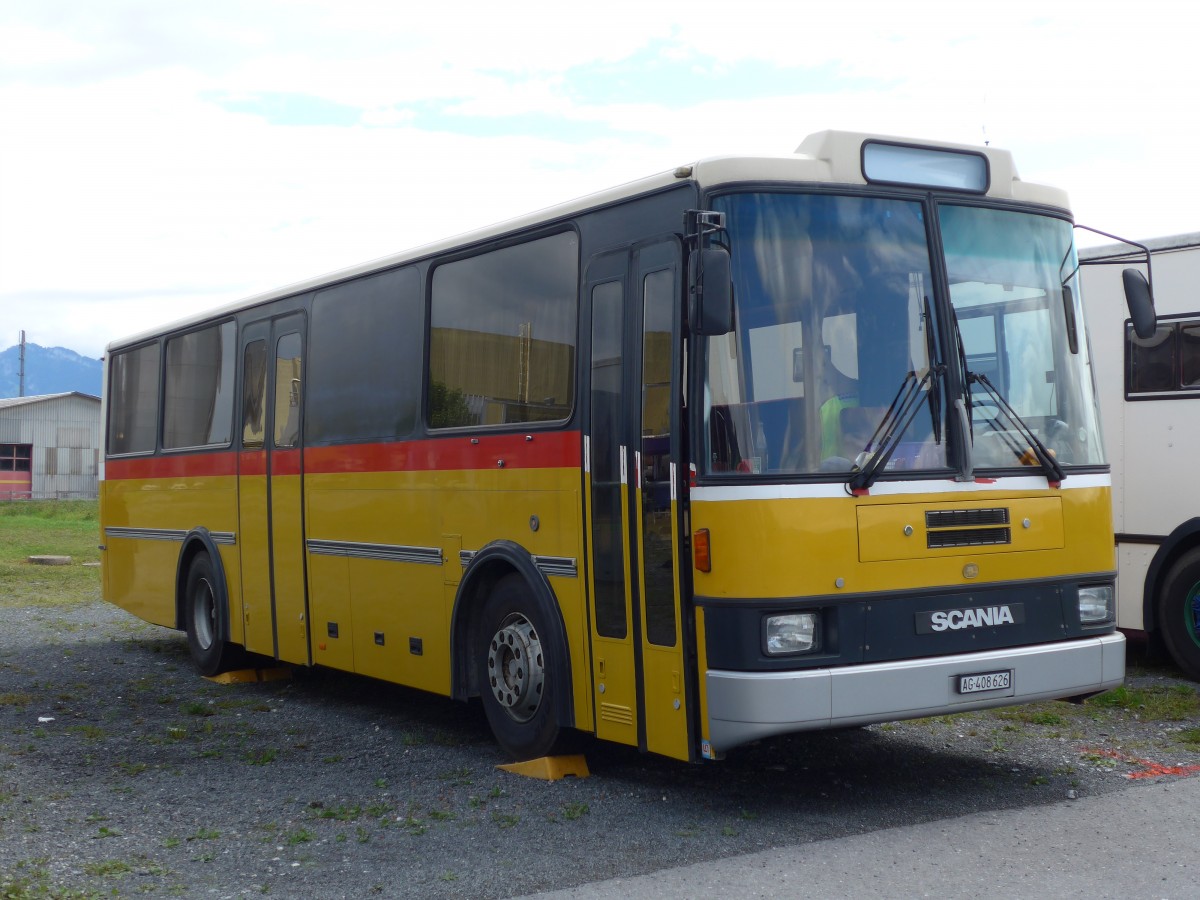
(39, 398)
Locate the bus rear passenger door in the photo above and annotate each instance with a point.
(254, 529)
(270, 485)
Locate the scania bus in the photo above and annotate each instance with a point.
(750, 447)
(1148, 388)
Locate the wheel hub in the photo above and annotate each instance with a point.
(204, 614)
(516, 673)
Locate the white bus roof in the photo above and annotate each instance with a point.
(826, 157)
(1189, 241)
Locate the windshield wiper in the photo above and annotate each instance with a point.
(891, 428)
(1047, 460)
(935, 398)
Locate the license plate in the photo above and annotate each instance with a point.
(985, 681)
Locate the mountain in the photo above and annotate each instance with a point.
(48, 370)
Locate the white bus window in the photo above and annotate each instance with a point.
(1152, 363)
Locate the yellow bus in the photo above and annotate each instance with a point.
(750, 447)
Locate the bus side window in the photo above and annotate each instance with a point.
(287, 391)
(722, 440)
(1152, 363)
(254, 394)
(1189, 355)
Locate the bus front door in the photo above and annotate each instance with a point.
(634, 451)
(270, 491)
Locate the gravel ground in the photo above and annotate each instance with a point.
(123, 773)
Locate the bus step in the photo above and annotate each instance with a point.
(550, 768)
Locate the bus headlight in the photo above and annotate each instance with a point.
(1097, 605)
(792, 633)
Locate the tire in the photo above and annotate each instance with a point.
(517, 660)
(202, 620)
(1179, 613)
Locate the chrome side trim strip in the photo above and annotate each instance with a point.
(227, 538)
(561, 566)
(425, 556)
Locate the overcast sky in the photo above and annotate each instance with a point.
(158, 159)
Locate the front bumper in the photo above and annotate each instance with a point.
(745, 706)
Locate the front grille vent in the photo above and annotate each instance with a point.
(968, 537)
(965, 518)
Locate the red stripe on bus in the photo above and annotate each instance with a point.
(189, 465)
(540, 450)
(252, 462)
(285, 462)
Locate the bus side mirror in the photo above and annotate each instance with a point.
(710, 292)
(1140, 302)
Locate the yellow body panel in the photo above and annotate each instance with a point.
(803, 547)
(139, 573)
(666, 701)
(894, 531)
(538, 509)
(396, 601)
(329, 604)
(287, 548)
(616, 690)
(663, 667)
(255, 576)
(613, 672)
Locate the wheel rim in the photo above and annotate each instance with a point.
(204, 614)
(516, 672)
(1191, 613)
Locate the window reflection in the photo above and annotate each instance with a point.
(832, 324)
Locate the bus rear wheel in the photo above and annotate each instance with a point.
(515, 665)
(1179, 613)
(202, 594)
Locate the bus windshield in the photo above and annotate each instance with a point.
(837, 358)
(832, 345)
(1015, 292)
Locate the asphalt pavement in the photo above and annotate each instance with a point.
(1135, 843)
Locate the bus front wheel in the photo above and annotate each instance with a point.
(1179, 613)
(210, 653)
(515, 661)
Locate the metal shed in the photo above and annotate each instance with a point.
(49, 447)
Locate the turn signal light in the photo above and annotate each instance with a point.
(701, 550)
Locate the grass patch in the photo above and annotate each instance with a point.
(49, 527)
(1190, 736)
(1171, 704)
(505, 820)
(262, 757)
(1034, 714)
(573, 811)
(108, 867)
(342, 812)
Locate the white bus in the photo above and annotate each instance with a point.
(1150, 406)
